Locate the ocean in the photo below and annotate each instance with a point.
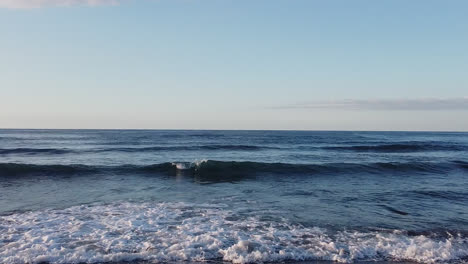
(152, 196)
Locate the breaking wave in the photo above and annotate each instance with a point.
(234, 168)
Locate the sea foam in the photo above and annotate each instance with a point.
(167, 232)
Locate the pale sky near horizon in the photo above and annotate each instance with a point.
(234, 64)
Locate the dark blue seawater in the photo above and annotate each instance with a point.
(93, 196)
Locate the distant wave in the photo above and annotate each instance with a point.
(186, 148)
(445, 195)
(33, 151)
(189, 135)
(404, 147)
(212, 170)
(46, 151)
(18, 169)
(462, 164)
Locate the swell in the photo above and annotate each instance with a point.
(444, 194)
(218, 170)
(33, 151)
(55, 151)
(404, 147)
(389, 148)
(185, 148)
(18, 169)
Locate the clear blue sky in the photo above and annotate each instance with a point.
(234, 64)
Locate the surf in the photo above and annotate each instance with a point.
(175, 232)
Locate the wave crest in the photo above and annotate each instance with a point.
(219, 170)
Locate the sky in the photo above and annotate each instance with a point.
(234, 64)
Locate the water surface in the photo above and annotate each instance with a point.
(69, 196)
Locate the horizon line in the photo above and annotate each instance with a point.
(205, 129)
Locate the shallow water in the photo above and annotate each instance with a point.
(69, 196)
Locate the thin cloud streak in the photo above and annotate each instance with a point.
(28, 4)
(422, 104)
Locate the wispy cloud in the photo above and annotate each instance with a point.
(25, 4)
(384, 104)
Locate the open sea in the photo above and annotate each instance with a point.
(152, 196)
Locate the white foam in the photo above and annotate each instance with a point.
(165, 232)
(188, 165)
(181, 165)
